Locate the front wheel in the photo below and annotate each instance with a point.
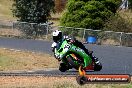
(62, 67)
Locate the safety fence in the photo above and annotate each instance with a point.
(102, 37)
(32, 30)
(44, 31)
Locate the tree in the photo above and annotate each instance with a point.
(130, 4)
(88, 13)
(33, 10)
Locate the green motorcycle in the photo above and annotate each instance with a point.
(74, 57)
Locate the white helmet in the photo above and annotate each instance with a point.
(57, 35)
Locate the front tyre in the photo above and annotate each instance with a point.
(62, 67)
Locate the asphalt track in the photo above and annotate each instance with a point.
(115, 59)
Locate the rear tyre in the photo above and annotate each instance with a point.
(97, 67)
(62, 67)
(81, 80)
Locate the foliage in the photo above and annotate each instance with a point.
(118, 24)
(88, 14)
(130, 4)
(33, 10)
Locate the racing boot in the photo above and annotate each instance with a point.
(90, 53)
(97, 65)
(95, 59)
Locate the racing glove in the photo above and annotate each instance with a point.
(70, 40)
(53, 46)
(57, 55)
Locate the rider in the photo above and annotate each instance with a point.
(58, 37)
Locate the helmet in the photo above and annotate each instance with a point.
(57, 35)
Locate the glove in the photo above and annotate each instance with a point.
(57, 56)
(53, 46)
(70, 40)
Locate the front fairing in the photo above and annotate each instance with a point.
(63, 47)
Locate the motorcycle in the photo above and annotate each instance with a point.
(74, 57)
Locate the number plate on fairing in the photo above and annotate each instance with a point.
(66, 47)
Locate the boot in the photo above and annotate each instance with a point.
(95, 59)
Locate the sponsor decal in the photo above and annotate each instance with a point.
(108, 78)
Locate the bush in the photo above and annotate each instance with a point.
(118, 24)
(88, 14)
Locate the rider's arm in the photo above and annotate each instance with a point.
(57, 55)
